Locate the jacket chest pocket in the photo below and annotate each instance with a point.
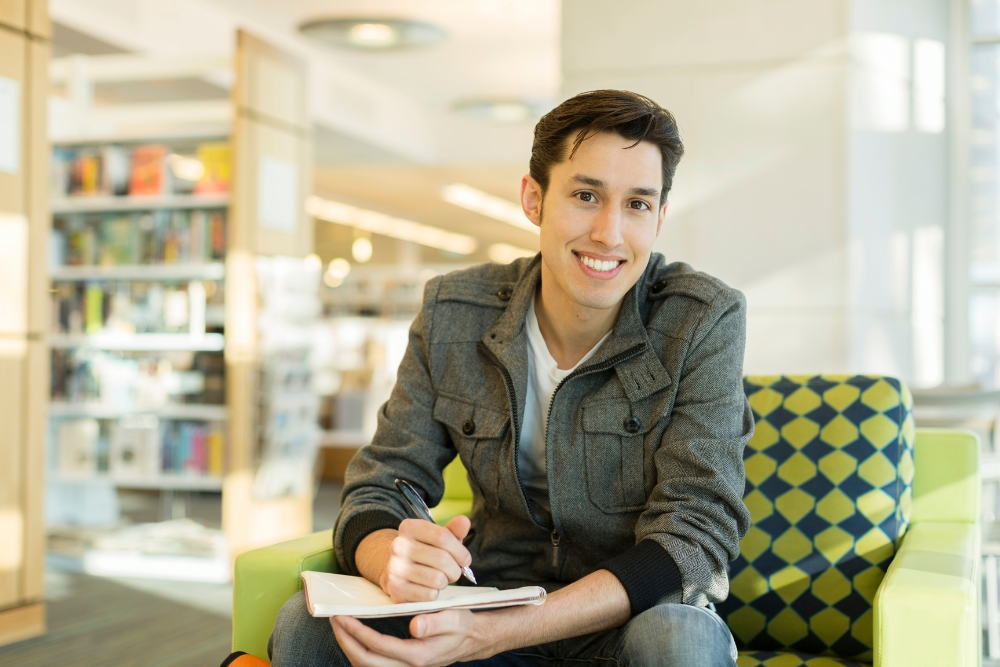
(618, 477)
(477, 433)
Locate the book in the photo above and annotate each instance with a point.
(217, 161)
(76, 445)
(147, 176)
(343, 595)
(135, 446)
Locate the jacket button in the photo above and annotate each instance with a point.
(632, 424)
(658, 286)
(468, 427)
(504, 294)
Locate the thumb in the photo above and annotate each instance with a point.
(459, 526)
(439, 623)
(424, 625)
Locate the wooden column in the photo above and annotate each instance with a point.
(271, 178)
(24, 376)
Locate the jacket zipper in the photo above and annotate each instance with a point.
(604, 365)
(509, 384)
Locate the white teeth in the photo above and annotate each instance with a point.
(597, 264)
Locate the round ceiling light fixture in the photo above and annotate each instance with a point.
(371, 34)
(506, 110)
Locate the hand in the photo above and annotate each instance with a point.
(438, 639)
(424, 558)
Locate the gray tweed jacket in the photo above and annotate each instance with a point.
(644, 445)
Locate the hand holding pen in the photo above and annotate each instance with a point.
(420, 509)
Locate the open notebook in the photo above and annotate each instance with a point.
(343, 595)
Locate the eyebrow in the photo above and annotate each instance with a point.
(598, 183)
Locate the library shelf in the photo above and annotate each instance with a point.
(179, 411)
(342, 439)
(160, 342)
(143, 272)
(167, 482)
(105, 204)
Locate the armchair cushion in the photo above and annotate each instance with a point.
(829, 477)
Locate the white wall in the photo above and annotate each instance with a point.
(779, 194)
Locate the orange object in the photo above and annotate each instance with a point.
(147, 170)
(241, 659)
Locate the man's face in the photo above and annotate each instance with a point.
(600, 216)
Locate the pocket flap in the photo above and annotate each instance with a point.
(454, 413)
(612, 418)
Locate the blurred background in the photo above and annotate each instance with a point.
(217, 218)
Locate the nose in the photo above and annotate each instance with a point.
(607, 229)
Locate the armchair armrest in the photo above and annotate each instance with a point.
(927, 608)
(265, 578)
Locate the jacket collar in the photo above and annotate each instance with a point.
(640, 370)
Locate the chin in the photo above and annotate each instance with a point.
(599, 300)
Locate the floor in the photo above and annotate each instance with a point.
(105, 622)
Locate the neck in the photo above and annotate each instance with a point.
(569, 329)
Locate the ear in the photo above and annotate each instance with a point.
(531, 199)
(659, 219)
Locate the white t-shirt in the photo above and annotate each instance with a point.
(544, 375)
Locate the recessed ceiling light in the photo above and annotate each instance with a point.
(502, 110)
(371, 34)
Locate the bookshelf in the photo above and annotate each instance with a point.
(187, 271)
(151, 342)
(153, 301)
(151, 482)
(182, 411)
(130, 294)
(106, 204)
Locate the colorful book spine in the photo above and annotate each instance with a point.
(217, 160)
(215, 451)
(147, 175)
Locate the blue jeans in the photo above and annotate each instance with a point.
(667, 635)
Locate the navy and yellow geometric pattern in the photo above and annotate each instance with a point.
(783, 659)
(829, 478)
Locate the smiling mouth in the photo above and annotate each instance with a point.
(599, 265)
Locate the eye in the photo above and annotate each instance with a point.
(638, 205)
(586, 196)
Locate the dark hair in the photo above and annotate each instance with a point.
(629, 115)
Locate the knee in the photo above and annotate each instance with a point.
(678, 635)
(300, 639)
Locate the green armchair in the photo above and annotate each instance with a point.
(864, 545)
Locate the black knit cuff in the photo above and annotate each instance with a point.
(648, 574)
(361, 526)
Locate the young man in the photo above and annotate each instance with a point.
(594, 395)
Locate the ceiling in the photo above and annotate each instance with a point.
(386, 135)
(412, 192)
(400, 100)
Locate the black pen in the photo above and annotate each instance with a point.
(420, 508)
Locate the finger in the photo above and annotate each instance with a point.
(406, 551)
(436, 536)
(459, 526)
(405, 591)
(356, 652)
(439, 623)
(384, 646)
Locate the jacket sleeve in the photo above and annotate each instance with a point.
(695, 516)
(408, 444)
